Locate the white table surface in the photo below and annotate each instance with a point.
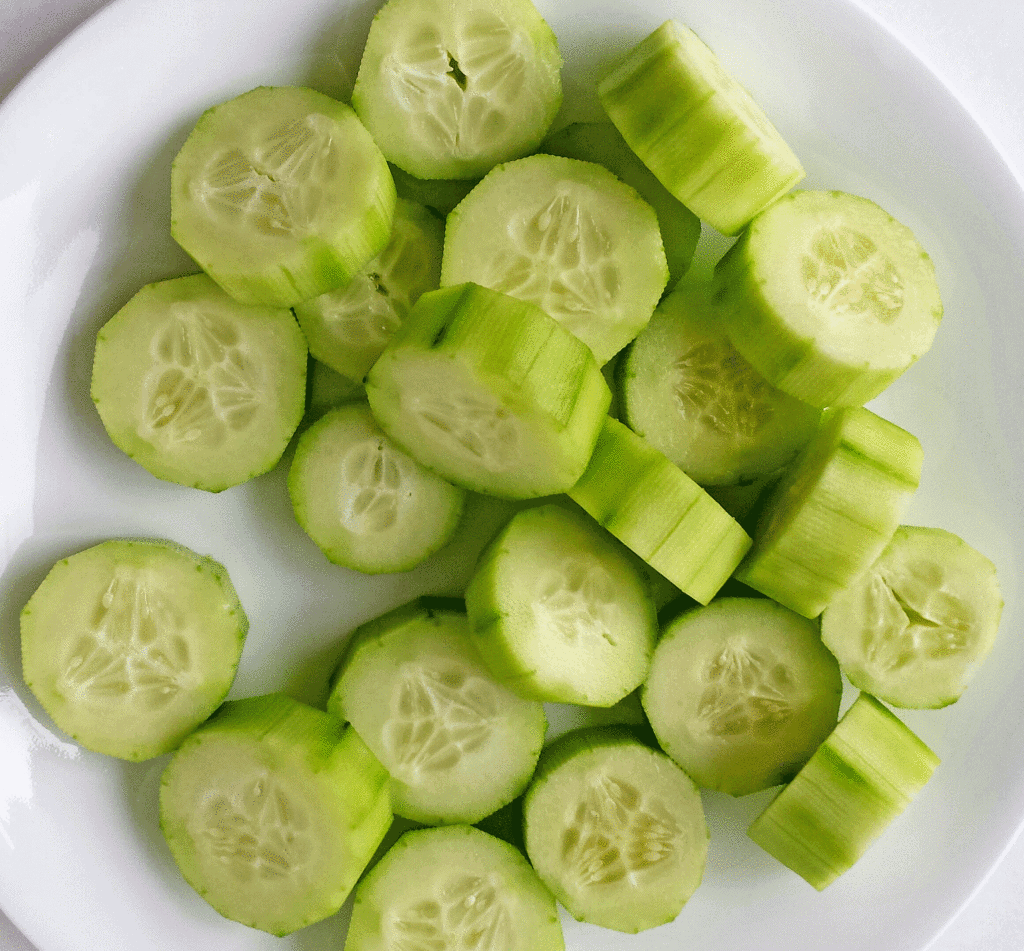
(976, 48)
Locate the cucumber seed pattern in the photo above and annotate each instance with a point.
(578, 602)
(370, 497)
(746, 692)
(473, 425)
(467, 915)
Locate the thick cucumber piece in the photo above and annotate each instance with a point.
(348, 328)
(272, 810)
(450, 89)
(913, 628)
(615, 829)
(365, 503)
(490, 393)
(280, 195)
(829, 297)
(131, 644)
(458, 744)
(660, 513)
(453, 889)
(567, 236)
(741, 693)
(197, 388)
(860, 779)
(697, 129)
(559, 612)
(688, 392)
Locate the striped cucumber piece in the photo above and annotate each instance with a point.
(660, 513)
(697, 129)
(450, 89)
(913, 629)
(829, 297)
(490, 393)
(834, 510)
(272, 810)
(860, 779)
(280, 195)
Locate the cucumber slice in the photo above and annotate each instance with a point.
(490, 393)
(348, 328)
(559, 612)
(829, 517)
(130, 645)
(450, 89)
(458, 744)
(280, 195)
(272, 810)
(913, 628)
(439, 194)
(197, 388)
(741, 693)
(452, 889)
(601, 142)
(567, 236)
(688, 392)
(365, 503)
(615, 829)
(860, 779)
(829, 297)
(697, 129)
(660, 513)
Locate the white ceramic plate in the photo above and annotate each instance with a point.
(87, 142)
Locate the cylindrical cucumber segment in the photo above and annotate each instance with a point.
(280, 195)
(272, 811)
(829, 297)
(697, 129)
(913, 628)
(451, 889)
(131, 644)
(615, 829)
(741, 693)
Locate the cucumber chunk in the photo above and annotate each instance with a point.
(567, 236)
(615, 829)
(197, 388)
(131, 644)
(913, 628)
(741, 693)
(453, 889)
(272, 810)
(860, 779)
(697, 129)
(829, 297)
(280, 195)
(458, 744)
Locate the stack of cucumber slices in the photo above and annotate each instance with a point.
(649, 431)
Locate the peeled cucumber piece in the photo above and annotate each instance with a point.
(458, 744)
(741, 693)
(829, 297)
(490, 393)
(280, 194)
(698, 129)
(451, 889)
(272, 810)
(348, 328)
(129, 645)
(568, 236)
(449, 89)
(913, 629)
(688, 392)
(198, 388)
(860, 779)
(615, 829)
(829, 517)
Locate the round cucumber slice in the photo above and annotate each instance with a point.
(913, 628)
(448, 90)
(280, 195)
(130, 645)
(741, 693)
